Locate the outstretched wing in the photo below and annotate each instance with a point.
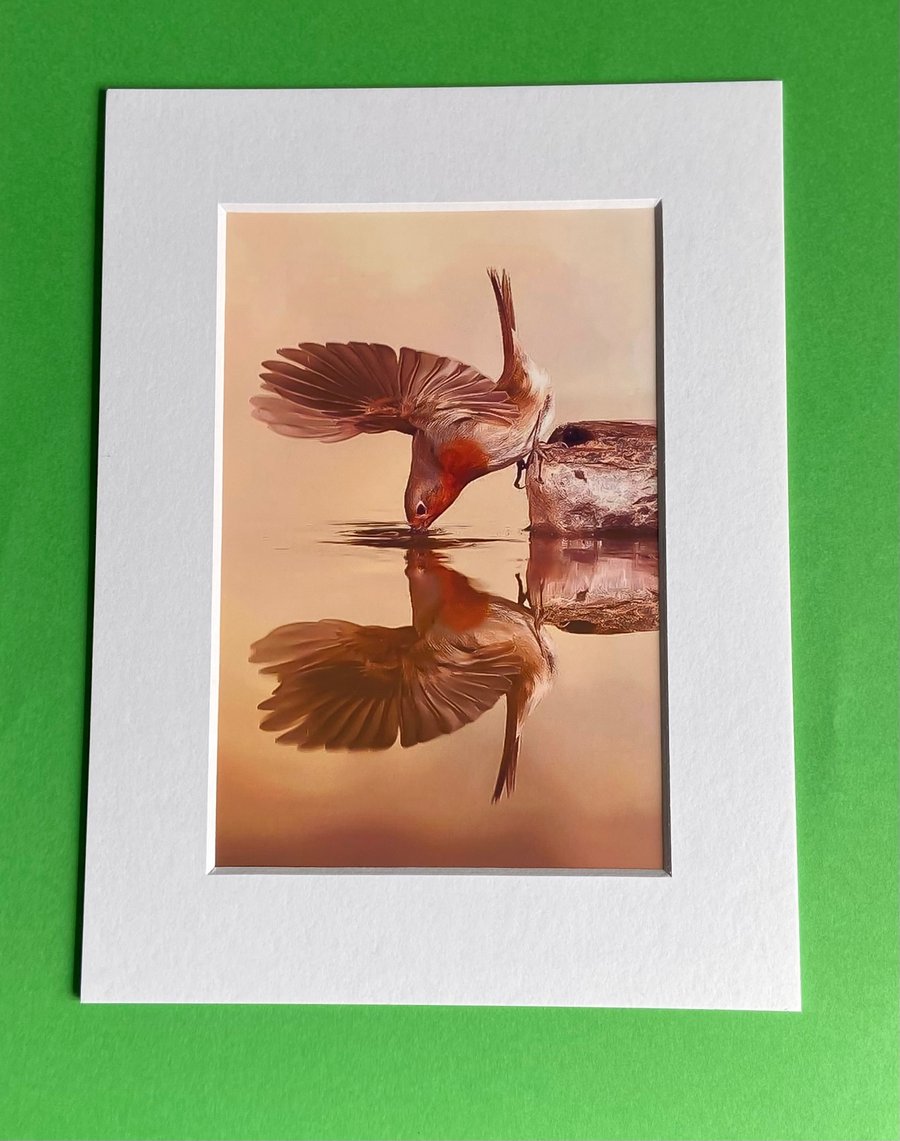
(338, 683)
(448, 687)
(334, 391)
(344, 686)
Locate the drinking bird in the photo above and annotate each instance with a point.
(462, 423)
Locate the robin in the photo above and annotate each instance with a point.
(463, 424)
(345, 686)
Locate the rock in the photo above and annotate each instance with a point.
(594, 586)
(593, 476)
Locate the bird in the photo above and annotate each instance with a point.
(462, 423)
(344, 686)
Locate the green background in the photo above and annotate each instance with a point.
(354, 1072)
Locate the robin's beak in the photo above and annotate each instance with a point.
(419, 525)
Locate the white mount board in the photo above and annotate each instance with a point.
(722, 930)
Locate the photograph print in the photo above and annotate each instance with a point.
(438, 624)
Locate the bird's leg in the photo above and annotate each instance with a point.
(535, 455)
(523, 593)
(536, 452)
(534, 449)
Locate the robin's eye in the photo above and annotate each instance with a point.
(421, 509)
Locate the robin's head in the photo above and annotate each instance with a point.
(426, 499)
(430, 489)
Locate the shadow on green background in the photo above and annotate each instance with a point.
(297, 1072)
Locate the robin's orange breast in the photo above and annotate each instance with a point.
(463, 459)
(462, 607)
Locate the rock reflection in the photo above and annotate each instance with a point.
(342, 686)
(594, 586)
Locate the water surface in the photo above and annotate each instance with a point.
(307, 780)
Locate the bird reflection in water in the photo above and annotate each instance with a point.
(342, 686)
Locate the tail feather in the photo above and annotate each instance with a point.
(506, 774)
(514, 377)
(503, 293)
(505, 310)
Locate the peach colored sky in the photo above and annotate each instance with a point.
(584, 286)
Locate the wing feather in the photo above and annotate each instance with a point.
(334, 391)
(349, 687)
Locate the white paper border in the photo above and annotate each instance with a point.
(722, 931)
